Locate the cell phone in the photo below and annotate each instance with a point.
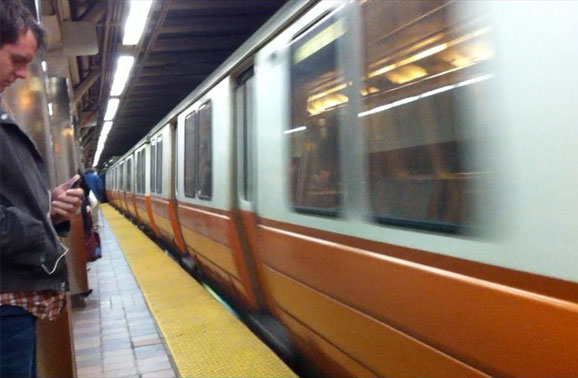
(73, 182)
(76, 184)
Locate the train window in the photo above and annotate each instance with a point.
(423, 60)
(317, 101)
(245, 126)
(141, 171)
(137, 172)
(191, 148)
(205, 178)
(122, 177)
(153, 167)
(129, 175)
(159, 178)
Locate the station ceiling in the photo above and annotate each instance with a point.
(184, 42)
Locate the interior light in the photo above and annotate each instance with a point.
(111, 109)
(123, 66)
(136, 21)
(325, 93)
(407, 100)
(414, 58)
(406, 74)
(291, 131)
(43, 65)
(50, 111)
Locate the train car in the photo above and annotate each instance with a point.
(144, 213)
(110, 184)
(162, 186)
(389, 179)
(120, 186)
(130, 187)
(112, 192)
(206, 204)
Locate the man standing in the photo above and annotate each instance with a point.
(33, 274)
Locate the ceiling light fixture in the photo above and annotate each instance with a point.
(111, 109)
(123, 66)
(136, 21)
(106, 128)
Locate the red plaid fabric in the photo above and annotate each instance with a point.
(46, 304)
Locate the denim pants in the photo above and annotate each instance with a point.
(18, 342)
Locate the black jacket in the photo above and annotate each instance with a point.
(30, 251)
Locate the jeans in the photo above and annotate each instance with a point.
(18, 342)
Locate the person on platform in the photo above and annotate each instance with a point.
(33, 274)
(96, 187)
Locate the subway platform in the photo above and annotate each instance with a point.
(146, 317)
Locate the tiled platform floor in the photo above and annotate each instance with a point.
(115, 334)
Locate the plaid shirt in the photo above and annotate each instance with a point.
(47, 304)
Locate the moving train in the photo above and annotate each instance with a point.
(392, 180)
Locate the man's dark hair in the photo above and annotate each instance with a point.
(15, 21)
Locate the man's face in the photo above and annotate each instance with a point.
(14, 59)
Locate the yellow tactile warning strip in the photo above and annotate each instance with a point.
(205, 339)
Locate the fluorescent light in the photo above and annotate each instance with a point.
(43, 65)
(475, 80)
(300, 128)
(411, 59)
(106, 128)
(111, 109)
(436, 91)
(428, 52)
(102, 140)
(123, 67)
(136, 21)
(96, 157)
(50, 111)
(423, 95)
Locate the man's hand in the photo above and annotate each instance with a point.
(65, 204)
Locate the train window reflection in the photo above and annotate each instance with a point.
(191, 149)
(245, 125)
(205, 188)
(159, 178)
(129, 175)
(142, 171)
(316, 101)
(137, 172)
(122, 168)
(153, 167)
(423, 61)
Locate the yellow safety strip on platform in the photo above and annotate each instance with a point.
(205, 339)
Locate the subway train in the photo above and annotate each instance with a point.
(391, 180)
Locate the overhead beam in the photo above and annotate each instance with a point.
(220, 6)
(85, 85)
(178, 68)
(168, 80)
(96, 12)
(212, 25)
(191, 58)
(198, 43)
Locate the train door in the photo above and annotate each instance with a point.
(139, 195)
(122, 188)
(129, 193)
(245, 171)
(206, 202)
